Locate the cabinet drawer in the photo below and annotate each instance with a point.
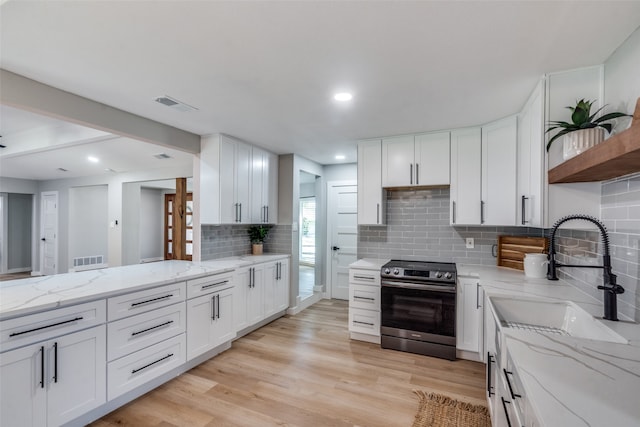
(135, 333)
(364, 277)
(206, 285)
(143, 301)
(364, 321)
(364, 296)
(138, 368)
(42, 326)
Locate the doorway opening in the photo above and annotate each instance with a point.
(307, 242)
(169, 238)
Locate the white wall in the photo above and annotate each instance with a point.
(19, 239)
(622, 78)
(151, 215)
(88, 222)
(342, 172)
(130, 223)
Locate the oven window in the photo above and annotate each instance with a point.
(419, 310)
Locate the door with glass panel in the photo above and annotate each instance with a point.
(171, 214)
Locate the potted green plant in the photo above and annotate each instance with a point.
(584, 131)
(257, 234)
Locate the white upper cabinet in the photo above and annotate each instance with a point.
(236, 187)
(418, 160)
(531, 161)
(371, 201)
(466, 150)
(499, 142)
(432, 155)
(264, 187)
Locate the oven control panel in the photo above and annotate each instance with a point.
(419, 271)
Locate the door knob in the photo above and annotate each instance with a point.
(43, 239)
(335, 248)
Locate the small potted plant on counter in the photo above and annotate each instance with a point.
(257, 234)
(584, 131)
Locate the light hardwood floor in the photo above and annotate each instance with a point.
(302, 370)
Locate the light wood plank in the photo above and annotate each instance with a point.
(302, 370)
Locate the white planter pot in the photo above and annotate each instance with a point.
(579, 141)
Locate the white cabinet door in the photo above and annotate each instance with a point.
(499, 141)
(228, 204)
(241, 291)
(259, 184)
(209, 322)
(370, 193)
(272, 189)
(270, 284)
(78, 374)
(466, 150)
(432, 158)
(282, 286)
(242, 182)
(23, 395)
(531, 161)
(398, 161)
(255, 295)
(469, 315)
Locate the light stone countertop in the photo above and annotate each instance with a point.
(369, 263)
(569, 381)
(36, 294)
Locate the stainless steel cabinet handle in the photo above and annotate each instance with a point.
(236, 207)
(524, 221)
(355, 276)
(411, 174)
(135, 304)
(42, 367)
(453, 212)
(363, 323)
(240, 212)
(15, 334)
(210, 285)
(489, 386)
(152, 363)
(481, 212)
(377, 213)
(218, 306)
(366, 298)
(477, 296)
(133, 334)
(506, 375)
(213, 307)
(417, 175)
(506, 412)
(55, 362)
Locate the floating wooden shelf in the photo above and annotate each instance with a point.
(614, 157)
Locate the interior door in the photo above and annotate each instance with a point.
(343, 231)
(49, 232)
(169, 203)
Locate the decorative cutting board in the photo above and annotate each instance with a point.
(511, 249)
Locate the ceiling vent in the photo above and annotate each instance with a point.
(162, 156)
(175, 104)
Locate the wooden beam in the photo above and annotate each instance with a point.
(617, 156)
(180, 220)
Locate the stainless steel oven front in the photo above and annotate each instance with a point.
(418, 308)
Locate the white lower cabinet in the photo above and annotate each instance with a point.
(364, 305)
(209, 321)
(469, 321)
(276, 286)
(53, 382)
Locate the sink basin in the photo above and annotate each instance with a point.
(552, 317)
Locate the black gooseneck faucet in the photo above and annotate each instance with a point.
(610, 287)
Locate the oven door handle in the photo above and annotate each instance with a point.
(402, 285)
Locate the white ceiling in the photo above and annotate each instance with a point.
(266, 71)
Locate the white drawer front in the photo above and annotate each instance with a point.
(364, 296)
(143, 301)
(364, 321)
(209, 284)
(131, 371)
(364, 277)
(135, 333)
(42, 326)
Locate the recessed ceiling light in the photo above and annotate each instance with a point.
(93, 159)
(343, 96)
(340, 157)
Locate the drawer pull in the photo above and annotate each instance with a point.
(42, 367)
(367, 298)
(15, 334)
(133, 334)
(135, 304)
(363, 323)
(363, 277)
(152, 363)
(210, 285)
(506, 411)
(55, 362)
(506, 375)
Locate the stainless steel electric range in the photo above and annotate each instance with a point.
(418, 307)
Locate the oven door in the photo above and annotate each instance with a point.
(427, 310)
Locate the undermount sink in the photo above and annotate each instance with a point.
(552, 317)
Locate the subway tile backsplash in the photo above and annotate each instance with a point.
(219, 241)
(418, 229)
